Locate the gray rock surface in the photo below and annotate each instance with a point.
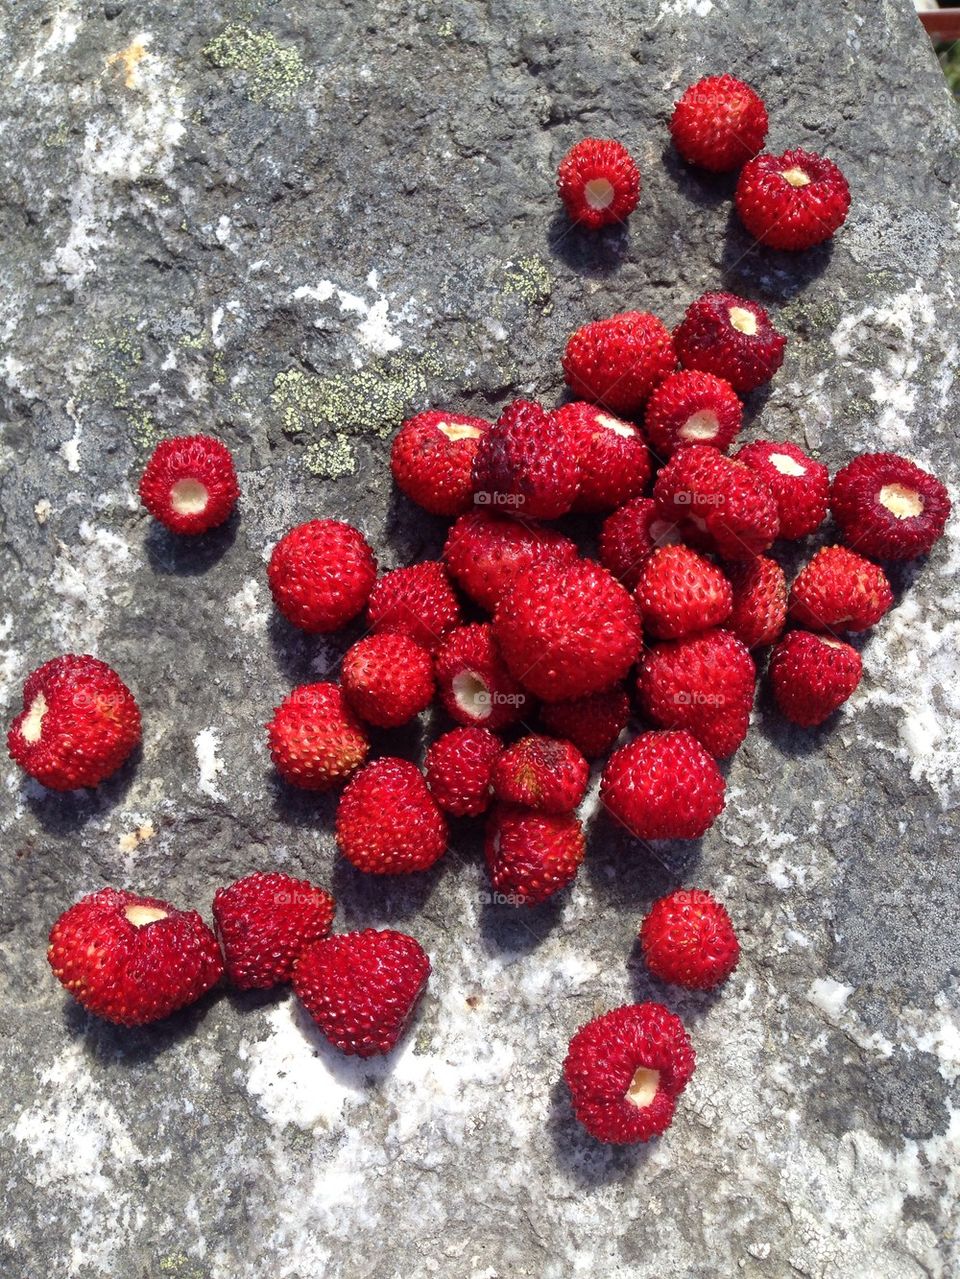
(290, 224)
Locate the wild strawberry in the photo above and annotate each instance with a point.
(78, 725)
(720, 504)
(526, 464)
(388, 679)
(265, 922)
(679, 592)
(630, 535)
(321, 574)
(888, 507)
(189, 484)
(690, 407)
(625, 1071)
(387, 821)
(792, 201)
(839, 590)
(663, 785)
(417, 601)
(618, 361)
(592, 723)
(567, 631)
(316, 741)
(759, 601)
(719, 123)
(486, 553)
(800, 485)
(133, 959)
(731, 338)
(459, 770)
(362, 988)
(614, 463)
(531, 855)
(543, 773)
(598, 183)
(812, 676)
(689, 940)
(432, 460)
(474, 683)
(705, 684)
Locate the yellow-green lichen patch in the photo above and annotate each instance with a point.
(274, 73)
(329, 459)
(530, 280)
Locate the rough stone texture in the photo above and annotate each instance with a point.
(289, 224)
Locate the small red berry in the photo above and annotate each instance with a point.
(888, 507)
(663, 785)
(417, 601)
(679, 592)
(618, 361)
(543, 773)
(759, 601)
(530, 854)
(688, 939)
(459, 770)
(526, 464)
(321, 574)
(592, 723)
(474, 683)
(189, 484)
(432, 460)
(265, 922)
(719, 123)
(614, 462)
(316, 741)
(598, 182)
(387, 821)
(690, 407)
(839, 590)
(732, 338)
(630, 535)
(792, 201)
(799, 484)
(387, 679)
(486, 553)
(720, 504)
(812, 676)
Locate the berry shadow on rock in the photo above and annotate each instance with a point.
(788, 738)
(131, 1046)
(751, 270)
(188, 556)
(588, 1163)
(593, 253)
(377, 901)
(413, 534)
(310, 659)
(631, 872)
(295, 806)
(65, 812)
(517, 930)
(697, 185)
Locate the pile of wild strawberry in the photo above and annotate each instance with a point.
(683, 596)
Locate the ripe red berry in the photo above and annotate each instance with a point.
(567, 632)
(321, 574)
(362, 988)
(387, 821)
(690, 407)
(543, 773)
(799, 484)
(531, 855)
(417, 601)
(459, 770)
(612, 456)
(759, 601)
(732, 338)
(598, 182)
(189, 484)
(630, 535)
(719, 123)
(792, 201)
(316, 741)
(839, 590)
(720, 504)
(265, 922)
(486, 553)
(688, 939)
(592, 723)
(618, 361)
(679, 592)
(387, 679)
(625, 1071)
(474, 683)
(133, 959)
(812, 676)
(526, 464)
(432, 460)
(663, 785)
(78, 725)
(888, 507)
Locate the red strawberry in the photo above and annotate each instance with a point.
(387, 822)
(630, 535)
(839, 590)
(361, 988)
(618, 361)
(133, 959)
(679, 592)
(792, 201)
(526, 464)
(321, 574)
(417, 601)
(613, 460)
(388, 679)
(625, 1071)
(543, 773)
(598, 183)
(78, 725)
(567, 632)
(663, 785)
(759, 601)
(812, 675)
(888, 507)
(720, 504)
(800, 485)
(432, 460)
(265, 922)
(474, 683)
(690, 407)
(731, 338)
(459, 768)
(719, 123)
(531, 855)
(688, 939)
(316, 741)
(486, 553)
(189, 484)
(592, 723)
